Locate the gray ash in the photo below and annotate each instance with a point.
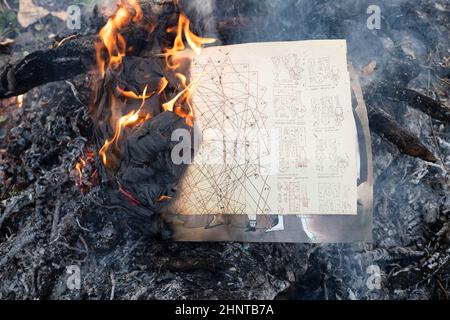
(47, 223)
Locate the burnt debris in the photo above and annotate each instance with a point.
(48, 223)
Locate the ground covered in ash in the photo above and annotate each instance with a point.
(49, 225)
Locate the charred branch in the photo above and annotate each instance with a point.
(416, 100)
(386, 126)
(71, 58)
(76, 55)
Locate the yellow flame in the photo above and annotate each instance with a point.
(79, 167)
(195, 42)
(138, 11)
(81, 164)
(103, 151)
(20, 101)
(162, 85)
(114, 44)
(131, 94)
(111, 38)
(130, 118)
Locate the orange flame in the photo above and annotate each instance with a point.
(81, 164)
(130, 118)
(183, 96)
(20, 101)
(114, 44)
(131, 94)
(164, 198)
(79, 167)
(162, 85)
(138, 11)
(111, 38)
(195, 42)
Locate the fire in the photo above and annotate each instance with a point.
(131, 95)
(79, 167)
(20, 101)
(183, 96)
(110, 37)
(137, 8)
(195, 42)
(130, 118)
(162, 85)
(81, 164)
(113, 43)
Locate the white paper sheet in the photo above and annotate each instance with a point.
(277, 131)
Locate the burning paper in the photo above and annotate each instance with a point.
(276, 131)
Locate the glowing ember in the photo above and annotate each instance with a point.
(129, 196)
(164, 198)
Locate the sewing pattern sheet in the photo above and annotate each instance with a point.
(277, 132)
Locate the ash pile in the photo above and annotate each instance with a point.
(56, 210)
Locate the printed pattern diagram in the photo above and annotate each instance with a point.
(228, 101)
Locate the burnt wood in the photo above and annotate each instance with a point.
(416, 100)
(386, 126)
(73, 57)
